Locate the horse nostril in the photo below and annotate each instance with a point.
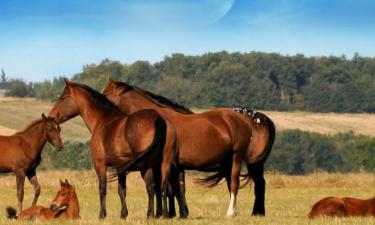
(53, 207)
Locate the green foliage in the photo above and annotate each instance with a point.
(298, 152)
(258, 80)
(74, 156)
(3, 76)
(20, 89)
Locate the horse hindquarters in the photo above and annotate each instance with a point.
(330, 206)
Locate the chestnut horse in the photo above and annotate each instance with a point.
(343, 207)
(218, 140)
(119, 141)
(20, 153)
(64, 206)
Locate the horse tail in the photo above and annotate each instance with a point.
(156, 145)
(11, 213)
(212, 180)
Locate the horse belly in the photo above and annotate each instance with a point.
(203, 148)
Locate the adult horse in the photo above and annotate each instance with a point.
(217, 140)
(120, 141)
(64, 206)
(20, 153)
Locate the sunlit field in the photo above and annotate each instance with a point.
(288, 199)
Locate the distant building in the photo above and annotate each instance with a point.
(4, 88)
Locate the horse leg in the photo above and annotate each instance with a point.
(171, 194)
(31, 175)
(234, 185)
(178, 181)
(148, 178)
(157, 180)
(122, 194)
(165, 169)
(102, 178)
(256, 172)
(20, 178)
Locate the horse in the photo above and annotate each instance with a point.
(21, 153)
(217, 140)
(65, 206)
(343, 207)
(119, 141)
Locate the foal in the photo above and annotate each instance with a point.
(64, 206)
(20, 153)
(343, 207)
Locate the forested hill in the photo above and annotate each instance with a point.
(258, 80)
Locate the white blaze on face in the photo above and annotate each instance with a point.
(232, 206)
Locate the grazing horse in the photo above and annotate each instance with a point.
(65, 206)
(218, 140)
(118, 141)
(20, 153)
(343, 207)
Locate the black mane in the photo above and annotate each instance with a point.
(158, 99)
(99, 98)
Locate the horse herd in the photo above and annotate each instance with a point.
(135, 130)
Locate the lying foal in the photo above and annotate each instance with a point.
(64, 206)
(343, 207)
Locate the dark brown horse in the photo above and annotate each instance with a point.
(20, 153)
(120, 141)
(343, 207)
(65, 206)
(217, 140)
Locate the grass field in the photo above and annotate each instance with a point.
(16, 113)
(288, 199)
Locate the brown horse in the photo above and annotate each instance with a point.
(217, 140)
(20, 153)
(120, 141)
(64, 206)
(343, 207)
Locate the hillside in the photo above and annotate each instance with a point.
(16, 113)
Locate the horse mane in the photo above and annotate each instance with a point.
(157, 99)
(28, 127)
(100, 99)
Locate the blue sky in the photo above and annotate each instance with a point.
(42, 39)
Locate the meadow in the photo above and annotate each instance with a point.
(16, 113)
(288, 199)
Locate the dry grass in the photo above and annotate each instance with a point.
(288, 199)
(16, 113)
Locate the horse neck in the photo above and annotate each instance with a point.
(92, 113)
(34, 136)
(133, 101)
(73, 208)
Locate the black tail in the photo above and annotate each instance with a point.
(212, 180)
(11, 213)
(156, 145)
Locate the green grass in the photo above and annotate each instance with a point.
(288, 199)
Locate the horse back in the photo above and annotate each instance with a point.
(36, 212)
(329, 206)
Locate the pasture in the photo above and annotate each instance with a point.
(288, 199)
(16, 113)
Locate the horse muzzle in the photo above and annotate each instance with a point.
(54, 207)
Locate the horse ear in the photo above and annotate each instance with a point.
(44, 118)
(66, 182)
(61, 183)
(67, 82)
(110, 80)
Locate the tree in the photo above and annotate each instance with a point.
(3, 76)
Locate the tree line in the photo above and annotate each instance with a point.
(265, 81)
